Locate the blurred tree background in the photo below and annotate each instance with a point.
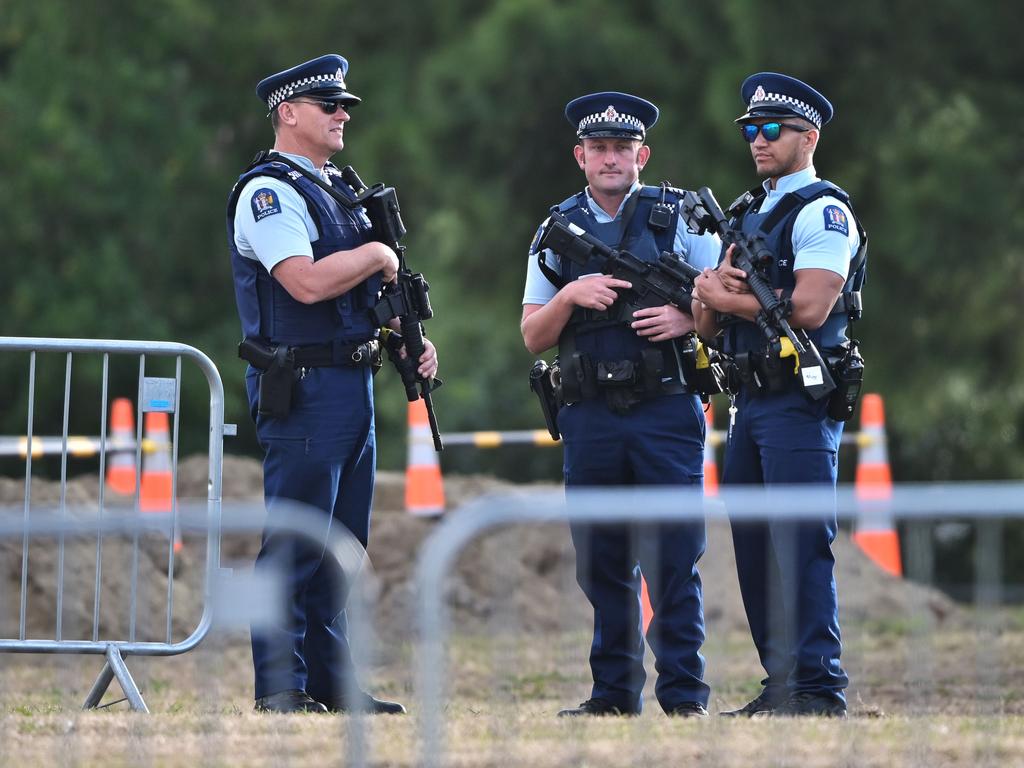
(125, 125)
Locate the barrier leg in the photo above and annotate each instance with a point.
(115, 667)
(99, 687)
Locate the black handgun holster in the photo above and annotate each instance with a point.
(276, 383)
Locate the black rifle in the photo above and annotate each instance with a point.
(406, 298)
(666, 281)
(702, 213)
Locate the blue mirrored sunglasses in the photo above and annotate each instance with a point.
(771, 131)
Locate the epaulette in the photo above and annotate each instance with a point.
(569, 204)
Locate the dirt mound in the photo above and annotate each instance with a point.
(522, 576)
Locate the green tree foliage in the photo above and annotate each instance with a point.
(125, 125)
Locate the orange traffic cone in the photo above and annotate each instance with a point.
(424, 489)
(878, 538)
(645, 604)
(121, 447)
(157, 481)
(710, 442)
(156, 465)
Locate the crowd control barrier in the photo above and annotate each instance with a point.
(990, 694)
(158, 400)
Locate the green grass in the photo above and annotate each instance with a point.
(946, 699)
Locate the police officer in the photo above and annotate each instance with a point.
(305, 274)
(647, 429)
(778, 434)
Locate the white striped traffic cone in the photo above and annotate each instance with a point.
(878, 538)
(121, 460)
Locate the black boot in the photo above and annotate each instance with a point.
(763, 705)
(364, 703)
(688, 709)
(811, 705)
(593, 707)
(288, 702)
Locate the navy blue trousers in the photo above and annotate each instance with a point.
(786, 568)
(658, 442)
(322, 455)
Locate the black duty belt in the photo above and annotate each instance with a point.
(336, 353)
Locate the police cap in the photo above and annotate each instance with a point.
(322, 78)
(610, 114)
(769, 94)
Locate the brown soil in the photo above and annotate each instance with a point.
(522, 577)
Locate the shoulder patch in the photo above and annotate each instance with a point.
(265, 202)
(835, 220)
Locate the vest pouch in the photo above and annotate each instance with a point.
(619, 381)
(775, 372)
(743, 373)
(616, 373)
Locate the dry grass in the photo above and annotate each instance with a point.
(917, 699)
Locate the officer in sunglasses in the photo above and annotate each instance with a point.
(305, 273)
(782, 436)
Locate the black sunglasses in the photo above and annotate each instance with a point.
(771, 131)
(328, 107)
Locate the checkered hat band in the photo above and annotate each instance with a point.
(285, 92)
(802, 107)
(620, 119)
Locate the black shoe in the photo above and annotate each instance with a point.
(593, 707)
(365, 703)
(763, 705)
(688, 709)
(811, 705)
(287, 702)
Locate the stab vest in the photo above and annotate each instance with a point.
(776, 230)
(606, 336)
(266, 309)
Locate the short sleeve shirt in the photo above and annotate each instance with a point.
(272, 221)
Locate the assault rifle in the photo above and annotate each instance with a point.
(702, 213)
(406, 298)
(666, 281)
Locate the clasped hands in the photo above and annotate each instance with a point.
(713, 285)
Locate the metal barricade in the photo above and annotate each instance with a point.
(992, 691)
(233, 600)
(155, 394)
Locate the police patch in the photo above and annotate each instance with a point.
(265, 202)
(835, 220)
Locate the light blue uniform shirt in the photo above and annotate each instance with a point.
(278, 236)
(816, 243)
(699, 250)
